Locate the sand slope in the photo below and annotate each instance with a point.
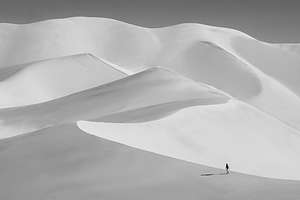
(217, 95)
(223, 58)
(253, 142)
(54, 78)
(65, 163)
(150, 88)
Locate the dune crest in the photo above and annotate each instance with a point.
(214, 89)
(149, 88)
(224, 58)
(54, 78)
(253, 142)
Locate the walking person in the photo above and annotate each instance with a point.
(227, 168)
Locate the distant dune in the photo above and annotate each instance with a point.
(203, 94)
(54, 78)
(223, 58)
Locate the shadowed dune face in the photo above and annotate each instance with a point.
(158, 111)
(191, 49)
(65, 163)
(29, 43)
(133, 48)
(128, 94)
(282, 65)
(115, 41)
(205, 62)
(43, 81)
(202, 53)
(64, 90)
(124, 44)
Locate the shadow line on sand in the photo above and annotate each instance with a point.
(216, 174)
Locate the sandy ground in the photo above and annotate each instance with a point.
(253, 142)
(66, 163)
(199, 93)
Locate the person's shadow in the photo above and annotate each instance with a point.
(216, 174)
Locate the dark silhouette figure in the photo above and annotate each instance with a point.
(215, 174)
(227, 168)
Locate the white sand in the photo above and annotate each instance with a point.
(152, 88)
(65, 163)
(47, 80)
(253, 142)
(224, 58)
(198, 93)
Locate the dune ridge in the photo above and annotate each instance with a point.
(177, 89)
(224, 58)
(130, 93)
(53, 78)
(249, 139)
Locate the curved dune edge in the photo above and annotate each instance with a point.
(213, 135)
(255, 72)
(224, 38)
(127, 94)
(50, 79)
(46, 80)
(158, 39)
(247, 64)
(67, 163)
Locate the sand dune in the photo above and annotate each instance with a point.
(54, 78)
(195, 92)
(223, 58)
(284, 66)
(65, 163)
(253, 142)
(150, 88)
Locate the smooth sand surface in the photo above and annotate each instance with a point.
(46, 80)
(150, 88)
(65, 163)
(224, 58)
(252, 141)
(199, 93)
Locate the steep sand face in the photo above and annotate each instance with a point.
(104, 38)
(78, 88)
(50, 79)
(279, 102)
(284, 66)
(206, 62)
(223, 58)
(150, 88)
(65, 163)
(253, 142)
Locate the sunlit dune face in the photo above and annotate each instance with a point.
(198, 93)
